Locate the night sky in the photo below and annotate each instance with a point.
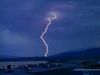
(77, 26)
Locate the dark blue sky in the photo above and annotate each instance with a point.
(77, 26)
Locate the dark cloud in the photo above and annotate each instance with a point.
(22, 22)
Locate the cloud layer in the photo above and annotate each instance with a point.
(22, 22)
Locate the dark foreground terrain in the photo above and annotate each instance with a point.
(59, 71)
(60, 64)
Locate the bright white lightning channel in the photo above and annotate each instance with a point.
(53, 16)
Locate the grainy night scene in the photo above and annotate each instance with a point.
(49, 37)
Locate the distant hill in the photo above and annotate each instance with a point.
(93, 53)
(88, 53)
(7, 56)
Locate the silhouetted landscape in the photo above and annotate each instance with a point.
(61, 64)
(87, 54)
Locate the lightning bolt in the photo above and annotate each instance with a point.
(45, 31)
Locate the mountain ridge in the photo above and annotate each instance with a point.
(87, 53)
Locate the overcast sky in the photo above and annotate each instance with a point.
(77, 26)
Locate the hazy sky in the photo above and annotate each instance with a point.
(77, 26)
